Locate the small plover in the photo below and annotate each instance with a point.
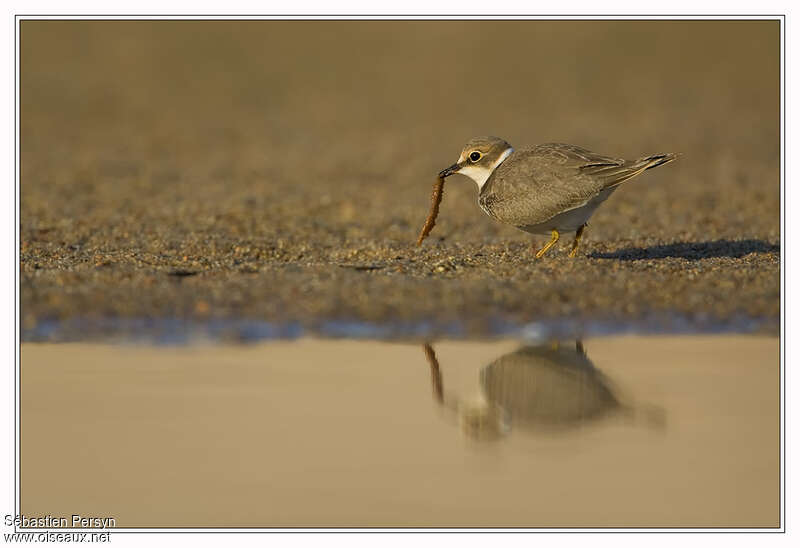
(545, 189)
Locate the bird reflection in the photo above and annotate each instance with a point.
(552, 387)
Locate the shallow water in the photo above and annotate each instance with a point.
(620, 431)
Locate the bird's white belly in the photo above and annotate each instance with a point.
(572, 219)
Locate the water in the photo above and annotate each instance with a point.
(624, 431)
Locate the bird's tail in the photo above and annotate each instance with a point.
(619, 174)
(657, 160)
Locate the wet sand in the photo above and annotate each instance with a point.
(658, 432)
(197, 170)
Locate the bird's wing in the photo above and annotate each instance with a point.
(537, 183)
(573, 156)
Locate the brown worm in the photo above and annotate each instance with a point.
(436, 199)
(436, 374)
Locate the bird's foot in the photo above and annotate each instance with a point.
(578, 234)
(548, 245)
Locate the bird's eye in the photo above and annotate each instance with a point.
(474, 156)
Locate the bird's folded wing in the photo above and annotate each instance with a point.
(546, 180)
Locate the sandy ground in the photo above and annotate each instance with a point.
(337, 433)
(281, 171)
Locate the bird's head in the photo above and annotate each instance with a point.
(479, 158)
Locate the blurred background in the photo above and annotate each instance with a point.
(241, 168)
(268, 180)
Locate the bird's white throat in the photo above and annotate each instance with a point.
(481, 174)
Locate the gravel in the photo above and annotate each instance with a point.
(281, 172)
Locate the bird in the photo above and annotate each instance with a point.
(549, 387)
(549, 188)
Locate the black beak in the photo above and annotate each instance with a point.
(450, 170)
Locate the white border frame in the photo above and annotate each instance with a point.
(783, 39)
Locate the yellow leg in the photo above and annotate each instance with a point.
(548, 245)
(577, 240)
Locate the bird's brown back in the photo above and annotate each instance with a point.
(537, 183)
